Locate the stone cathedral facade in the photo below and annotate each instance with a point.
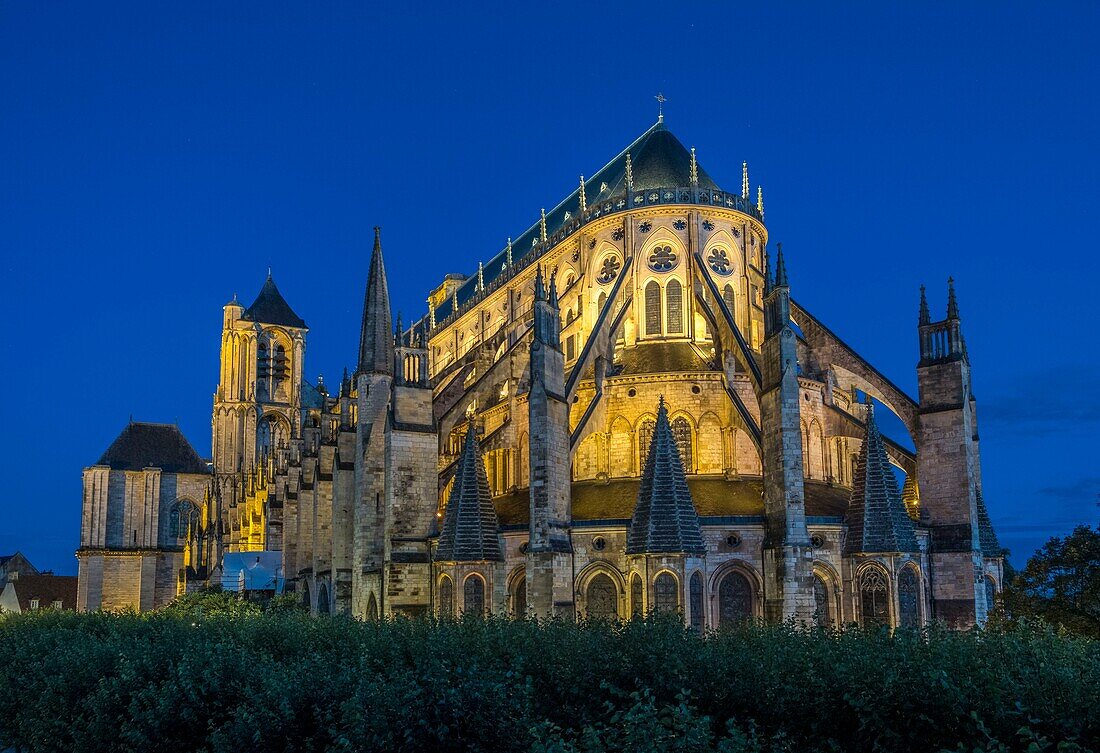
(623, 410)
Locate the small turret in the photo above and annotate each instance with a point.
(925, 317)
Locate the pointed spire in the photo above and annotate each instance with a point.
(345, 384)
(552, 295)
(664, 517)
(745, 180)
(987, 537)
(470, 523)
(540, 286)
(780, 268)
(629, 173)
(375, 338)
(398, 338)
(480, 277)
(877, 519)
(584, 202)
(508, 253)
(925, 317)
(952, 304)
(693, 170)
(769, 281)
(760, 201)
(542, 225)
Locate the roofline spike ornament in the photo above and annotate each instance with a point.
(431, 313)
(660, 107)
(552, 295)
(540, 285)
(745, 180)
(508, 252)
(629, 173)
(760, 201)
(780, 268)
(952, 303)
(925, 316)
(693, 168)
(584, 202)
(480, 277)
(542, 225)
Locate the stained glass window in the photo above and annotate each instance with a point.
(908, 599)
(695, 591)
(990, 595)
(674, 302)
(662, 259)
(734, 599)
(446, 597)
(519, 603)
(183, 516)
(473, 595)
(727, 296)
(653, 308)
(823, 613)
(601, 598)
(645, 436)
(681, 433)
(665, 598)
(637, 607)
(874, 597)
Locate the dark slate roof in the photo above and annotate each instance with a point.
(877, 520)
(664, 519)
(311, 396)
(142, 445)
(376, 331)
(47, 589)
(987, 537)
(658, 159)
(271, 308)
(470, 525)
(662, 358)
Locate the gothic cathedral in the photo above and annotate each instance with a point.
(623, 410)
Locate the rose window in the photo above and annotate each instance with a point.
(719, 261)
(662, 259)
(609, 270)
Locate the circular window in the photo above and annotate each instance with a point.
(817, 540)
(599, 543)
(609, 269)
(631, 392)
(719, 261)
(662, 259)
(523, 547)
(733, 540)
(695, 389)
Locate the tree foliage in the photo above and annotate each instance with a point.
(210, 680)
(1061, 584)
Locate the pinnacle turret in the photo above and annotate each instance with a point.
(376, 338)
(470, 523)
(952, 304)
(925, 317)
(780, 268)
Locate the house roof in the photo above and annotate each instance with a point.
(148, 445)
(271, 308)
(47, 589)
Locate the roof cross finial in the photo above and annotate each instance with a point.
(542, 226)
(584, 202)
(694, 170)
(629, 173)
(480, 277)
(269, 272)
(508, 252)
(745, 180)
(760, 201)
(660, 107)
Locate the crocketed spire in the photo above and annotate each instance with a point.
(470, 524)
(877, 520)
(987, 537)
(664, 516)
(376, 335)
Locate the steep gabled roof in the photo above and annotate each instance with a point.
(877, 519)
(664, 517)
(987, 537)
(470, 524)
(144, 445)
(47, 589)
(271, 308)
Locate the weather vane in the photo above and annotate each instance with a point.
(660, 107)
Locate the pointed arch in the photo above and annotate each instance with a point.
(695, 601)
(683, 433)
(666, 592)
(674, 306)
(874, 595)
(473, 595)
(710, 444)
(445, 597)
(645, 427)
(909, 599)
(621, 448)
(653, 309)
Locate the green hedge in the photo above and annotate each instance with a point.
(279, 681)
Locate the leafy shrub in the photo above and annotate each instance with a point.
(210, 675)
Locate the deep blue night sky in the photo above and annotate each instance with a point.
(157, 160)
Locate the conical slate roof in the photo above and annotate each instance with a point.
(664, 517)
(376, 333)
(877, 520)
(271, 308)
(470, 524)
(987, 537)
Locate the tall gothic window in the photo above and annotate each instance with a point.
(519, 600)
(665, 598)
(601, 597)
(601, 302)
(473, 595)
(263, 371)
(823, 613)
(727, 296)
(874, 597)
(372, 608)
(653, 308)
(446, 597)
(695, 595)
(183, 515)
(637, 605)
(645, 436)
(681, 433)
(674, 302)
(571, 340)
(323, 606)
(734, 599)
(990, 595)
(908, 599)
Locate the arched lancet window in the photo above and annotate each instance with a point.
(908, 599)
(637, 605)
(695, 595)
(323, 607)
(645, 436)
(674, 303)
(681, 433)
(874, 597)
(519, 598)
(601, 302)
(446, 597)
(473, 595)
(665, 597)
(734, 599)
(823, 612)
(372, 608)
(653, 308)
(183, 516)
(305, 594)
(601, 597)
(990, 595)
(727, 296)
(263, 370)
